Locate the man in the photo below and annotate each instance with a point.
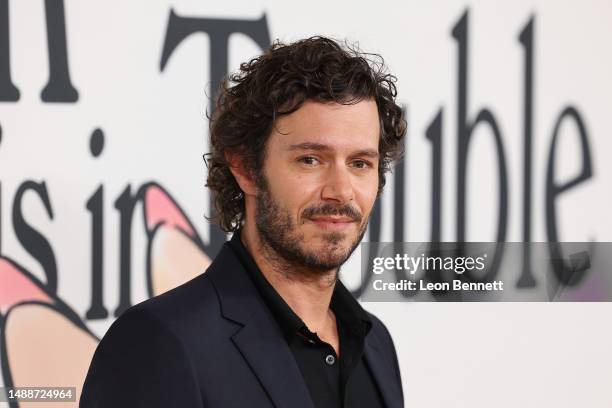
(301, 138)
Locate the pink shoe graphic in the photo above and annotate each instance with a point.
(43, 342)
(175, 252)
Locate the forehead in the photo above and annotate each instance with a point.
(339, 127)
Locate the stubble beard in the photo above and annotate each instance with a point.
(285, 247)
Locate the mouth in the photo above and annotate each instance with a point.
(332, 223)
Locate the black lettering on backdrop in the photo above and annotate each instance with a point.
(218, 31)
(95, 207)
(125, 204)
(59, 87)
(526, 39)
(8, 90)
(32, 240)
(465, 130)
(400, 209)
(566, 274)
(434, 135)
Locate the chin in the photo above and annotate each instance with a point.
(317, 241)
(324, 248)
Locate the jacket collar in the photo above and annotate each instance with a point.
(263, 344)
(260, 340)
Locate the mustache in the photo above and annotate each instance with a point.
(328, 209)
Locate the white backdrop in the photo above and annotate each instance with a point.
(458, 355)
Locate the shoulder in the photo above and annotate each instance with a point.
(380, 331)
(176, 313)
(383, 337)
(138, 352)
(197, 295)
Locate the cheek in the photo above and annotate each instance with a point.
(296, 188)
(365, 194)
(293, 192)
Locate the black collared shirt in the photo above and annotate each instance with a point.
(333, 381)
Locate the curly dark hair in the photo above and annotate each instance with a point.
(278, 83)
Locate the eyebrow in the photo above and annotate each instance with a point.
(321, 147)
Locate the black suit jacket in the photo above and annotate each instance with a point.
(212, 342)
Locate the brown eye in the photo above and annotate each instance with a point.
(362, 164)
(309, 160)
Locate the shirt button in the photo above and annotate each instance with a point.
(330, 360)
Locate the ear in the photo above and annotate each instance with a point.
(245, 180)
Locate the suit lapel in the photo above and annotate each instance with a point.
(383, 373)
(261, 343)
(265, 349)
(260, 340)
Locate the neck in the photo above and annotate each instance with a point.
(307, 292)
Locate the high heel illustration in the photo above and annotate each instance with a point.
(175, 252)
(43, 342)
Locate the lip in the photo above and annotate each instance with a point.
(332, 223)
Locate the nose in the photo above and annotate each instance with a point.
(338, 186)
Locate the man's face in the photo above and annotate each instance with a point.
(319, 183)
